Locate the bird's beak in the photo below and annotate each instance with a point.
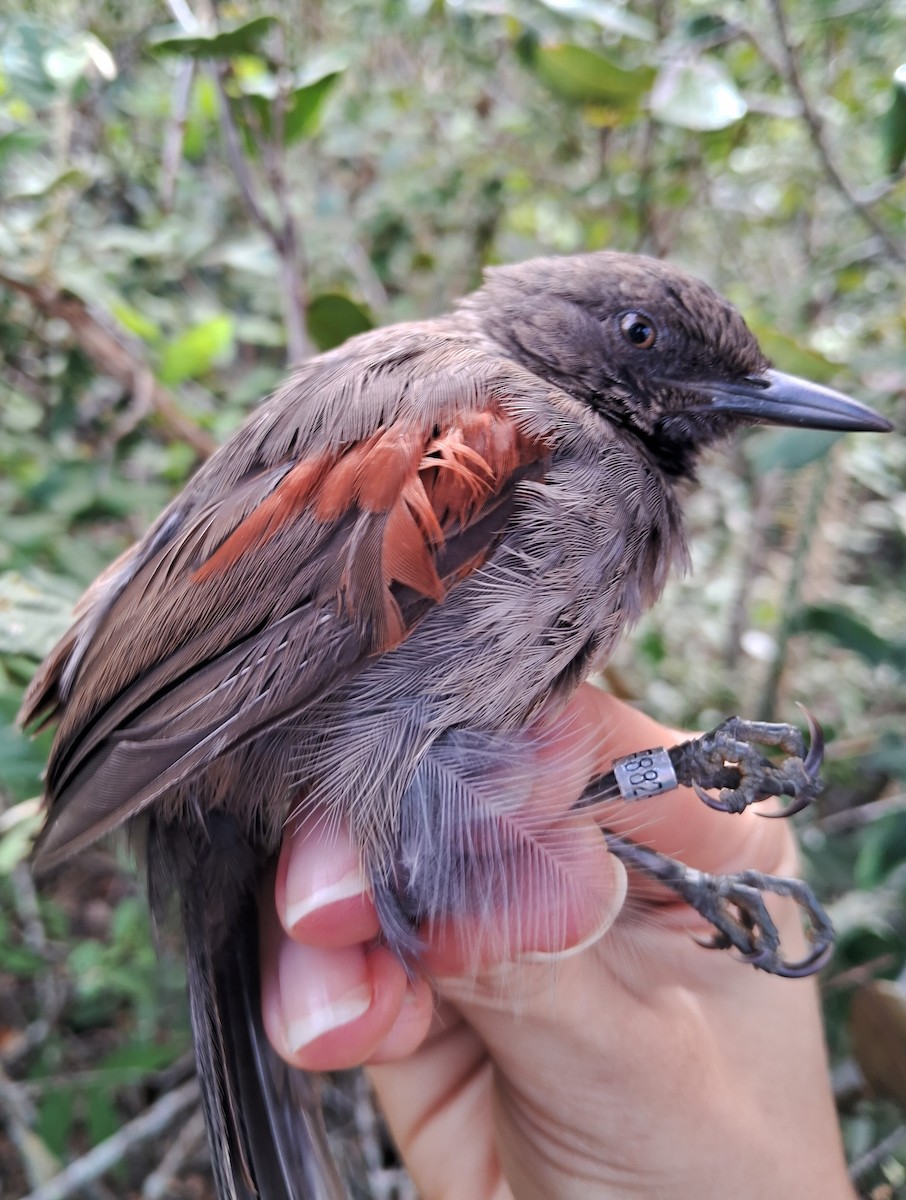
(778, 399)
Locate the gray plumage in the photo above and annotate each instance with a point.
(371, 601)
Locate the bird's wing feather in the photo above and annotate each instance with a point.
(256, 594)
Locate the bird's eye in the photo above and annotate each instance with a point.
(638, 330)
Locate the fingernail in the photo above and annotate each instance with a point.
(320, 991)
(302, 1031)
(620, 884)
(349, 885)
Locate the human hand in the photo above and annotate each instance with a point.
(633, 1063)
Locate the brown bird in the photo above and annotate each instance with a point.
(370, 603)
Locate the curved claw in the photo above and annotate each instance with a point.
(709, 800)
(811, 765)
(815, 756)
(717, 941)
(819, 958)
(791, 809)
(762, 959)
(765, 959)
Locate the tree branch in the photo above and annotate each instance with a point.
(176, 133)
(283, 235)
(819, 141)
(98, 337)
(152, 1122)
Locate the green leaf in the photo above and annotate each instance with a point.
(790, 355)
(894, 127)
(70, 61)
(23, 821)
(55, 1117)
(136, 1059)
(194, 352)
(889, 757)
(19, 961)
(705, 26)
(42, 183)
(333, 317)
(23, 49)
(883, 847)
(23, 757)
(19, 141)
(612, 17)
(306, 104)
(788, 449)
(240, 39)
(102, 1118)
(851, 633)
(585, 77)
(202, 115)
(136, 322)
(34, 613)
(697, 94)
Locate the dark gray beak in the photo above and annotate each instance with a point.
(778, 399)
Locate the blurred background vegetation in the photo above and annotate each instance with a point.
(191, 198)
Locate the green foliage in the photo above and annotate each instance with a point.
(193, 353)
(697, 94)
(227, 43)
(583, 76)
(160, 191)
(303, 102)
(848, 631)
(895, 123)
(782, 450)
(333, 317)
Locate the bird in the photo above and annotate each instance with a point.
(370, 603)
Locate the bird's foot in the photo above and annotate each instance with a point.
(735, 906)
(729, 758)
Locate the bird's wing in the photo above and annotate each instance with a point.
(274, 578)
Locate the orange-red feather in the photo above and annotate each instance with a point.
(420, 485)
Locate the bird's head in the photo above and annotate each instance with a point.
(654, 349)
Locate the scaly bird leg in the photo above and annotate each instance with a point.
(734, 905)
(728, 758)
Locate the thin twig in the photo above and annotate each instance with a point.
(863, 814)
(152, 1122)
(157, 1184)
(861, 973)
(876, 1155)
(284, 237)
(847, 1082)
(819, 141)
(189, 24)
(184, 16)
(49, 988)
(790, 603)
(764, 491)
(101, 341)
(18, 1116)
(236, 158)
(367, 278)
(288, 244)
(176, 132)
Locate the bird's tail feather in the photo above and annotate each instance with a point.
(264, 1121)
